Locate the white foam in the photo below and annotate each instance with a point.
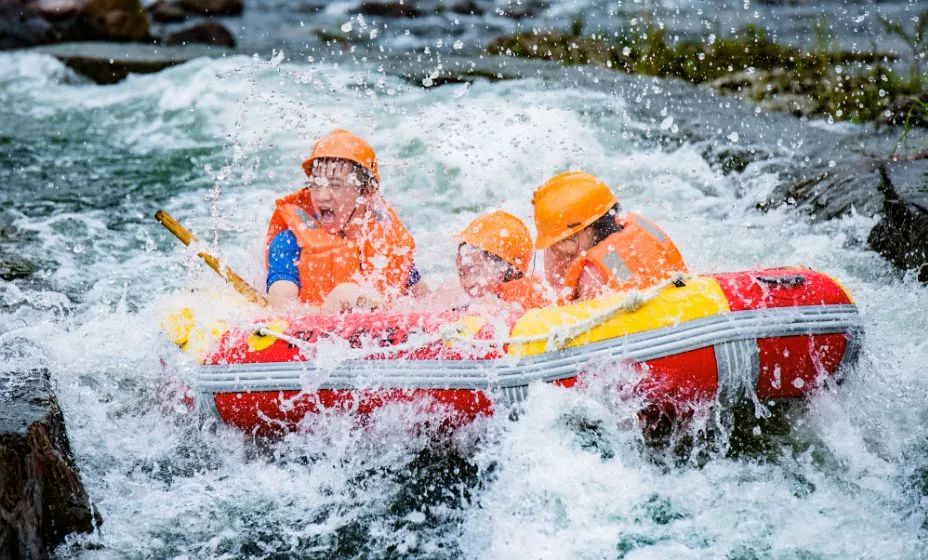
(168, 488)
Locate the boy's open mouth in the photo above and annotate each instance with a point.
(327, 218)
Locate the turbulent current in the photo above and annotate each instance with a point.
(84, 167)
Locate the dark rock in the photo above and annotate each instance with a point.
(15, 268)
(831, 192)
(95, 20)
(206, 33)
(85, 20)
(214, 7)
(901, 235)
(167, 11)
(466, 7)
(445, 78)
(733, 158)
(389, 9)
(108, 63)
(22, 26)
(42, 499)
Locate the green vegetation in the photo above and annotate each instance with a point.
(859, 87)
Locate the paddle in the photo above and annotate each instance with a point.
(186, 237)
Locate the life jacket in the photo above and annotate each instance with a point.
(381, 257)
(638, 256)
(526, 292)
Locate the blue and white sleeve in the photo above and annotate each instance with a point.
(282, 258)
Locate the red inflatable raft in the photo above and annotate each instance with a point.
(776, 334)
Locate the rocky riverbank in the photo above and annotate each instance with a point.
(42, 499)
(860, 169)
(837, 85)
(27, 23)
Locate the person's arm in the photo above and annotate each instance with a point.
(283, 275)
(415, 285)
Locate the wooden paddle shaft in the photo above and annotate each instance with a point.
(187, 237)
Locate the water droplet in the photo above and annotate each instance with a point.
(416, 517)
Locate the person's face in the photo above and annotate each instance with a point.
(559, 256)
(335, 190)
(477, 271)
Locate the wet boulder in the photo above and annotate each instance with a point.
(14, 267)
(206, 33)
(42, 499)
(466, 7)
(213, 7)
(109, 63)
(167, 11)
(95, 20)
(389, 9)
(22, 26)
(832, 192)
(901, 235)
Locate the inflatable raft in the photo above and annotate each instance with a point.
(774, 334)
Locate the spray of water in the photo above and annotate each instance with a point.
(215, 141)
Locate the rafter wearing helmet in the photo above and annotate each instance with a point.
(493, 258)
(589, 247)
(338, 230)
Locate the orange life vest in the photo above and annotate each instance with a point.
(638, 256)
(381, 257)
(527, 292)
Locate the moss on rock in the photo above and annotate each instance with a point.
(839, 85)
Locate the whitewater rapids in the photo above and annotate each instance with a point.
(84, 167)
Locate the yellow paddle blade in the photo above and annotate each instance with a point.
(201, 339)
(178, 324)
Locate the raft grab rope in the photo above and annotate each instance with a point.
(556, 340)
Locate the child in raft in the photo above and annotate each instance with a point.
(589, 248)
(493, 259)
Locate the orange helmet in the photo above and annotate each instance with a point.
(342, 144)
(503, 235)
(567, 203)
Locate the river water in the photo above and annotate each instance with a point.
(84, 167)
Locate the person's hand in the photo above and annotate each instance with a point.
(283, 294)
(348, 296)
